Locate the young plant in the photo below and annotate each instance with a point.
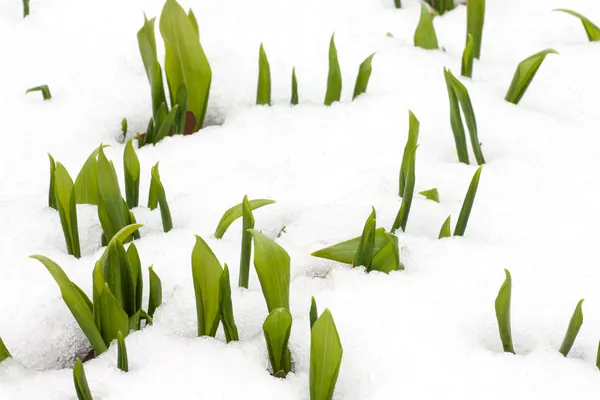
(364, 253)
(458, 95)
(475, 20)
(229, 326)
(409, 147)
(441, 6)
(409, 190)
(51, 188)
(161, 125)
(524, 75)
(502, 306)
(431, 194)
(425, 36)
(206, 272)
(43, 88)
(325, 357)
(247, 223)
(263, 92)
(86, 183)
(467, 58)
(573, 329)
(4, 353)
(334, 78)
(67, 209)
(131, 166)
(362, 78)
(81, 385)
(25, 8)
(294, 99)
(445, 230)
(236, 212)
(158, 197)
(124, 127)
(155, 299)
(122, 361)
(147, 45)
(314, 313)
(277, 328)
(465, 211)
(592, 31)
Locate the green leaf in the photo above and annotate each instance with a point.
(114, 319)
(475, 20)
(123, 234)
(425, 36)
(110, 202)
(431, 194)
(388, 258)
(325, 357)
(122, 361)
(364, 253)
(229, 327)
(409, 189)
(524, 75)
(81, 385)
(194, 22)
(181, 103)
(462, 96)
(409, 147)
(77, 303)
(465, 211)
(4, 353)
(124, 127)
(272, 264)
(206, 271)
(263, 92)
(441, 6)
(247, 223)
(161, 197)
(294, 99)
(67, 209)
(467, 58)
(235, 212)
(598, 356)
(334, 77)
(86, 183)
(460, 139)
(165, 127)
(345, 252)
(277, 328)
(84, 297)
(397, 4)
(185, 61)
(445, 231)
(155, 299)
(136, 275)
(573, 329)
(25, 8)
(44, 89)
(131, 165)
(51, 188)
(147, 46)
(118, 274)
(362, 78)
(592, 31)
(314, 313)
(503, 313)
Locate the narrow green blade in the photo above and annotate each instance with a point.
(366, 246)
(131, 165)
(206, 272)
(475, 20)
(247, 223)
(67, 209)
(136, 272)
(147, 45)
(81, 385)
(166, 126)
(161, 197)
(229, 327)
(4, 353)
(397, 4)
(155, 299)
(314, 313)
(277, 328)
(25, 8)
(465, 211)
(51, 188)
(425, 36)
(325, 357)
(445, 231)
(409, 147)
(43, 88)
(294, 99)
(181, 103)
(431, 194)
(110, 207)
(263, 91)
(524, 75)
(334, 77)
(592, 31)
(345, 252)
(362, 78)
(460, 139)
(122, 361)
(235, 212)
(573, 329)
(502, 306)
(409, 189)
(467, 58)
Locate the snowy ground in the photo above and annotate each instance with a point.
(428, 332)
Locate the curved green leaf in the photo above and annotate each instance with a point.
(206, 272)
(229, 327)
(118, 275)
(263, 92)
(409, 189)
(366, 246)
(159, 191)
(592, 31)
(502, 306)
(524, 75)
(314, 313)
(136, 275)
(277, 328)
(445, 231)
(573, 329)
(345, 252)
(110, 202)
(147, 46)
(425, 36)
(235, 212)
(131, 165)
(67, 209)
(388, 258)
(81, 385)
(114, 319)
(86, 183)
(362, 78)
(43, 88)
(467, 58)
(155, 299)
(334, 77)
(51, 188)
(465, 211)
(460, 139)
(325, 357)
(409, 147)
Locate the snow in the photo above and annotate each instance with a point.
(424, 333)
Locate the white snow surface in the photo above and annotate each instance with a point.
(428, 332)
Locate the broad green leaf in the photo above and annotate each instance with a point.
(185, 61)
(206, 271)
(181, 103)
(131, 165)
(136, 274)
(51, 189)
(524, 75)
(194, 21)
(345, 252)
(388, 258)
(84, 296)
(409, 189)
(110, 202)
(460, 139)
(467, 58)
(366, 246)
(465, 211)
(67, 209)
(277, 328)
(86, 183)
(411, 144)
(247, 223)
(161, 197)
(592, 31)
(431, 194)
(502, 306)
(362, 78)
(425, 36)
(272, 264)
(314, 313)
(573, 329)
(43, 88)
(475, 20)
(263, 91)
(155, 299)
(325, 357)
(147, 46)
(77, 303)
(118, 275)
(445, 231)
(122, 361)
(114, 319)
(334, 77)
(166, 126)
(4, 353)
(229, 327)
(81, 385)
(294, 99)
(235, 212)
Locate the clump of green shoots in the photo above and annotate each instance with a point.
(81, 384)
(263, 91)
(475, 20)
(334, 78)
(325, 357)
(573, 329)
(158, 197)
(524, 75)
(43, 88)
(502, 306)
(425, 36)
(277, 329)
(592, 31)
